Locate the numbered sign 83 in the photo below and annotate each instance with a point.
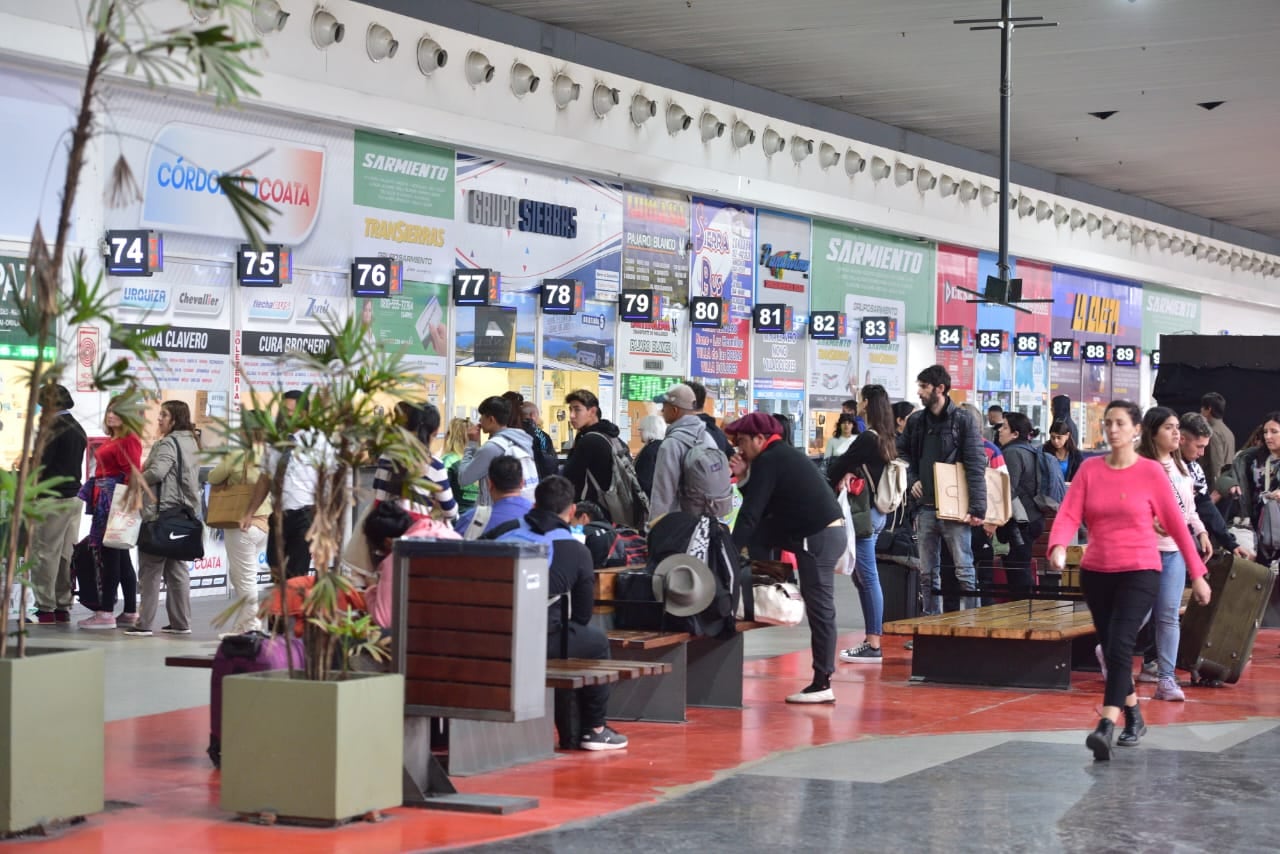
(876, 330)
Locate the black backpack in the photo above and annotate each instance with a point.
(544, 453)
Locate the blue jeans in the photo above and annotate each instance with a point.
(866, 577)
(930, 532)
(1173, 580)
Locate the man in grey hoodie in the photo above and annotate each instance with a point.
(495, 414)
(684, 430)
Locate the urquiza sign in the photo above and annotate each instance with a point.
(499, 211)
(181, 191)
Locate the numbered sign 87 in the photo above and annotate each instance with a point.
(637, 306)
(1062, 349)
(706, 312)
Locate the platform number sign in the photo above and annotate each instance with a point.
(1095, 352)
(877, 330)
(475, 287)
(561, 296)
(990, 340)
(1125, 355)
(826, 325)
(1026, 344)
(376, 277)
(1154, 356)
(1062, 349)
(133, 252)
(637, 306)
(948, 338)
(771, 317)
(706, 312)
(268, 266)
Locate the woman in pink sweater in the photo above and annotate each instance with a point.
(1118, 497)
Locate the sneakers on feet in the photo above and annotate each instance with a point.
(605, 739)
(170, 630)
(100, 620)
(1167, 689)
(127, 619)
(863, 652)
(137, 632)
(45, 618)
(814, 694)
(1102, 659)
(1149, 672)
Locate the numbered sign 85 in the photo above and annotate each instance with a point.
(990, 341)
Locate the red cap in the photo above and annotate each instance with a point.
(755, 424)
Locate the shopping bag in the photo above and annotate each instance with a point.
(228, 504)
(848, 560)
(951, 494)
(123, 521)
(777, 604)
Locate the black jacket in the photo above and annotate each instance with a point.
(1060, 406)
(571, 571)
(591, 453)
(961, 442)
(1022, 459)
(784, 500)
(865, 451)
(63, 454)
(714, 431)
(646, 464)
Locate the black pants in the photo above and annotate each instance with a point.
(115, 569)
(1119, 602)
(816, 559)
(297, 553)
(1017, 564)
(593, 700)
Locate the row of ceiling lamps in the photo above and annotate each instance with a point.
(380, 44)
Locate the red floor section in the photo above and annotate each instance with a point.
(158, 764)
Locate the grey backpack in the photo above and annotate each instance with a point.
(704, 476)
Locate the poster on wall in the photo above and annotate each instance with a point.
(723, 266)
(528, 225)
(864, 273)
(957, 269)
(782, 276)
(277, 324)
(17, 351)
(1031, 373)
(655, 256)
(1167, 312)
(993, 371)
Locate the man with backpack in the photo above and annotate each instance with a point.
(572, 576)
(509, 504)
(599, 466)
(691, 473)
(495, 415)
(1026, 484)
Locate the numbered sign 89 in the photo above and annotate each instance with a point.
(706, 312)
(948, 338)
(474, 287)
(1026, 344)
(990, 340)
(267, 267)
(1125, 354)
(637, 306)
(1154, 356)
(561, 296)
(877, 330)
(1095, 351)
(826, 325)
(375, 277)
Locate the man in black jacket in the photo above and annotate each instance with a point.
(787, 504)
(53, 538)
(592, 451)
(944, 433)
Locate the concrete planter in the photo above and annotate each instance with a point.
(51, 743)
(319, 751)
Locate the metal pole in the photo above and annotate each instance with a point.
(1006, 39)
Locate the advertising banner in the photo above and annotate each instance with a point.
(279, 322)
(1031, 373)
(655, 256)
(1167, 312)
(958, 268)
(782, 276)
(993, 372)
(15, 343)
(723, 267)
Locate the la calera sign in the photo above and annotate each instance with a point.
(184, 163)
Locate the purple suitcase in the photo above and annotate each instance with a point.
(252, 652)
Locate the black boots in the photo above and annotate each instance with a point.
(1099, 741)
(1134, 727)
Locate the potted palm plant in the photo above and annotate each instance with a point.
(47, 781)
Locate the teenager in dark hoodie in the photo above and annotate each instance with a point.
(592, 450)
(1061, 409)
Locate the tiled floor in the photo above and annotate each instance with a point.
(891, 765)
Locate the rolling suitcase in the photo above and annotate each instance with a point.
(251, 652)
(1217, 639)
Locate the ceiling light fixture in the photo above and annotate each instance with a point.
(880, 168)
(1077, 218)
(430, 55)
(564, 91)
(968, 190)
(1122, 231)
(523, 80)
(925, 180)
(1162, 239)
(947, 186)
(268, 17)
(478, 68)
(1211, 254)
(1108, 226)
(1137, 234)
(1025, 206)
(603, 98)
(772, 142)
(1044, 210)
(1060, 215)
(827, 155)
(1255, 264)
(853, 162)
(642, 109)
(742, 135)
(325, 28)
(1152, 237)
(709, 127)
(800, 148)
(987, 195)
(379, 43)
(677, 119)
(1175, 243)
(1092, 223)
(902, 174)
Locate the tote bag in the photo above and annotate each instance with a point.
(228, 503)
(123, 523)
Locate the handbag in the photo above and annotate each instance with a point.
(176, 532)
(778, 604)
(849, 558)
(1269, 520)
(228, 503)
(123, 522)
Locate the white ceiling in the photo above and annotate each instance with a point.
(904, 62)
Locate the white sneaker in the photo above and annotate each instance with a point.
(813, 695)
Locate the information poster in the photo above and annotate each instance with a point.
(993, 372)
(957, 270)
(723, 266)
(782, 276)
(655, 257)
(1031, 373)
(1167, 312)
(280, 323)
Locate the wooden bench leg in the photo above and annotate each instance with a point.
(654, 698)
(427, 785)
(986, 661)
(715, 672)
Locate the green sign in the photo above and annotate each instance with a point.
(15, 343)
(413, 321)
(645, 386)
(393, 173)
(853, 262)
(1167, 312)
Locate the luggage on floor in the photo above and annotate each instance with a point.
(84, 567)
(900, 583)
(1217, 639)
(251, 652)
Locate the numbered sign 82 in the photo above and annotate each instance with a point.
(1026, 344)
(771, 317)
(262, 268)
(636, 306)
(706, 312)
(948, 338)
(990, 340)
(560, 296)
(876, 330)
(1124, 354)
(1095, 351)
(826, 325)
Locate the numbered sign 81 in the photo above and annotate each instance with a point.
(637, 306)
(706, 312)
(772, 317)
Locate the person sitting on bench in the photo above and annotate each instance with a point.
(572, 576)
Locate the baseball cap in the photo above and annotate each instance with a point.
(755, 424)
(680, 396)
